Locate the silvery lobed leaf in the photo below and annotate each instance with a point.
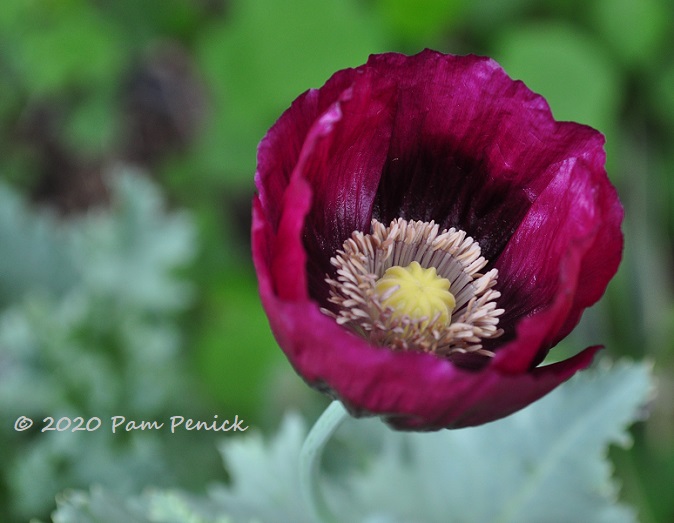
(544, 464)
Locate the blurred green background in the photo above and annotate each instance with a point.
(128, 132)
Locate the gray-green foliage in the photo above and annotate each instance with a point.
(34, 252)
(156, 507)
(88, 329)
(546, 463)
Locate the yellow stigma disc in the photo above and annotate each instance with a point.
(416, 292)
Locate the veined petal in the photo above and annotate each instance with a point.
(489, 395)
(279, 150)
(471, 148)
(545, 267)
(341, 158)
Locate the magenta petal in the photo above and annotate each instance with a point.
(495, 396)
(455, 140)
(471, 148)
(341, 158)
(279, 150)
(551, 257)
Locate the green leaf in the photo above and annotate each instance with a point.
(421, 20)
(635, 30)
(662, 102)
(263, 57)
(86, 44)
(234, 329)
(487, 16)
(94, 123)
(567, 67)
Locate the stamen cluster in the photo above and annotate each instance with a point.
(364, 259)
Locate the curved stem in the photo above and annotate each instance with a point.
(310, 460)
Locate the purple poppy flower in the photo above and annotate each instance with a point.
(425, 232)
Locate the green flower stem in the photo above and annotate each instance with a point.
(310, 460)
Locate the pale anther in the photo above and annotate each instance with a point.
(392, 287)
